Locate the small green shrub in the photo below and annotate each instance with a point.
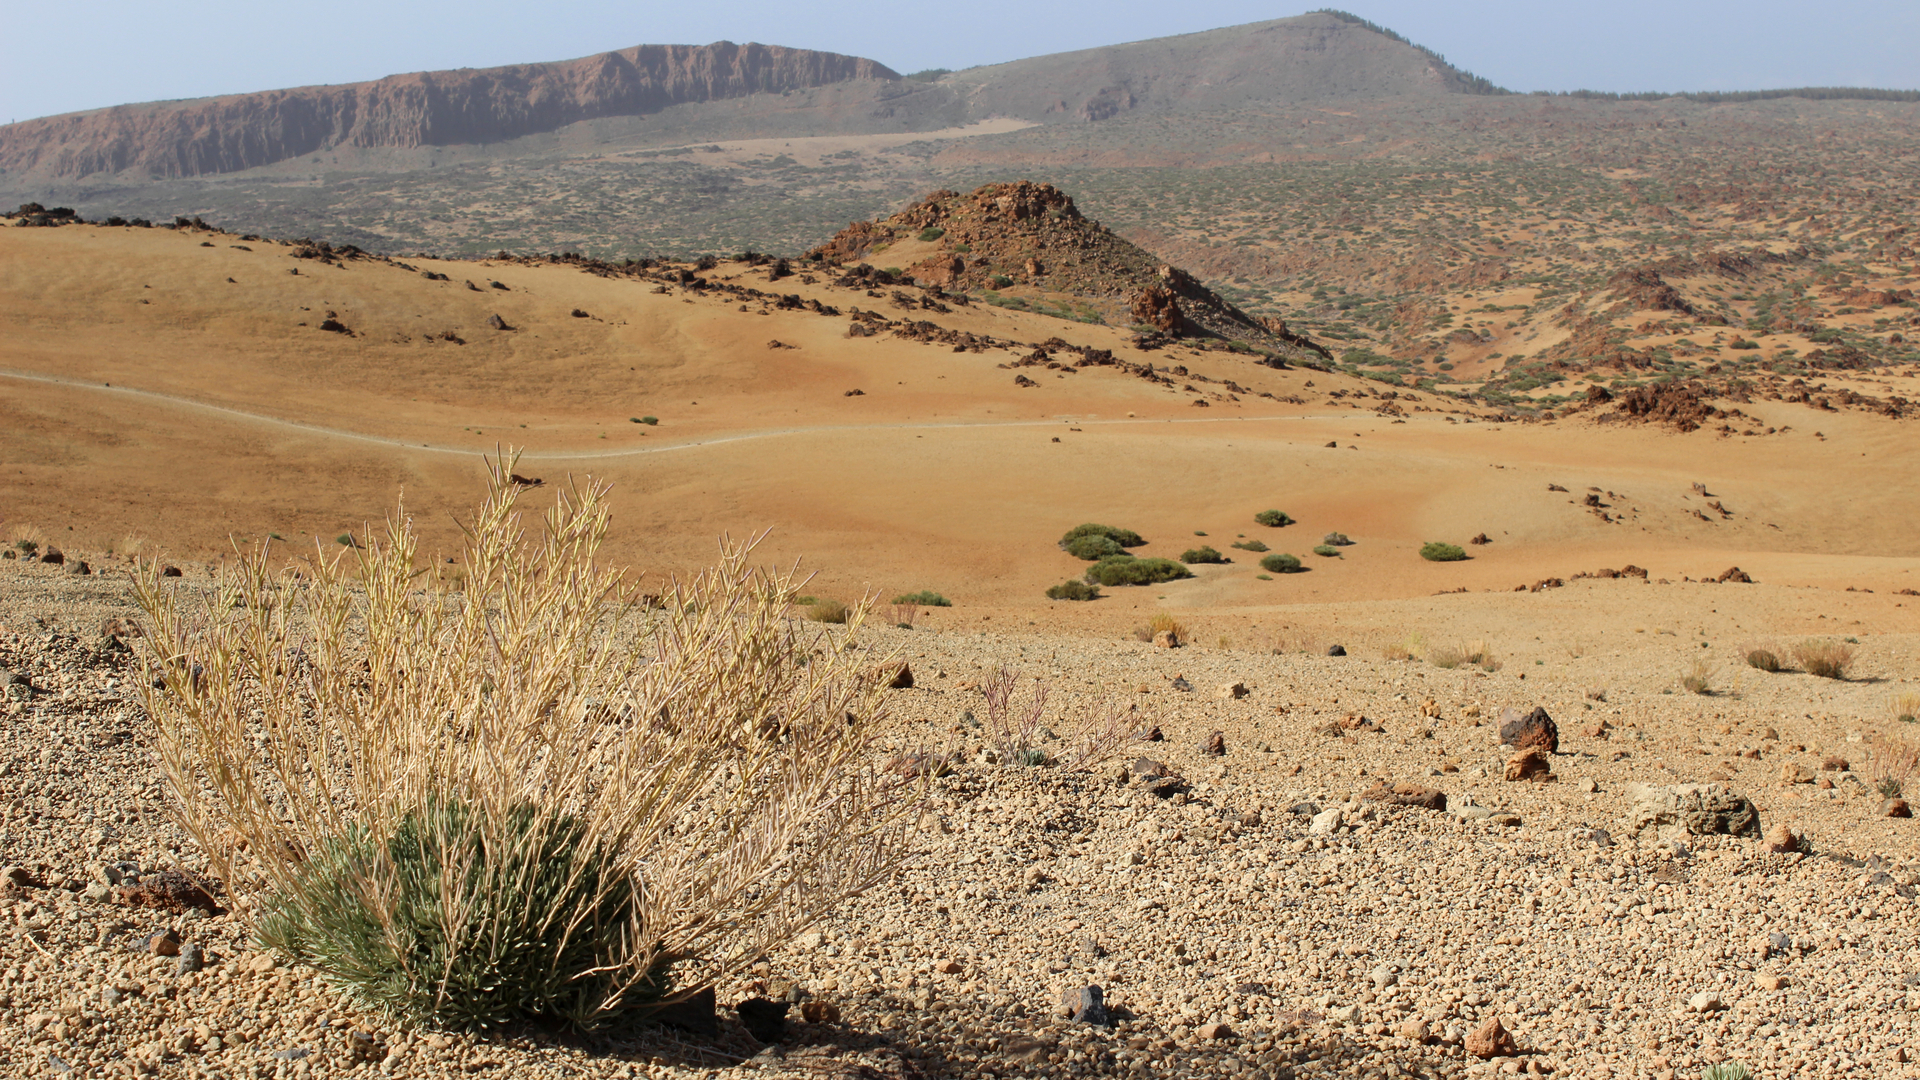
(1727, 1070)
(1337, 539)
(1201, 555)
(1251, 545)
(650, 421)
(346, 540)
(930, 234)
(1000, 281)
(925, 598)
(1281, 563)
(28, 546)
(828, 611)
(1327, 550)
(1199, 532)
(1273, 518)
(1074, 590)
(537, 914)
(1435, 551)
(1763, 659)
(1123, 537)
(1094, 547)
(1127, 570)
(1264, 577)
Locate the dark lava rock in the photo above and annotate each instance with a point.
(1533, 731)
(765, 1020)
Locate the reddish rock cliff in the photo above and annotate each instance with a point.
(436, 108)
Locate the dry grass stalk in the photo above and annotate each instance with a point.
(1013, 729)
(1891, 763)
(1906, 708)
(1699, 678)
(1103, 735)
(704, 761)
(1825, 658)
(903, 615)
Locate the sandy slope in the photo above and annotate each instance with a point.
(149, 396)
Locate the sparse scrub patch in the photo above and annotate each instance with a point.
(1127, 570)
(924, 598)
(1204, 554)
(1435, 551)
(829, 611)
(1273, 518)
(1281, 563)
(1762, 659)
(535, 799)
(1827, 659)
(1251, 545)
(1906, 708)
(1126, 538)
(1699, 678)
(1164, 622)
(1337, 539)
(1891, 763)
(1094, 547)
(1326, 550)
(1074, 590)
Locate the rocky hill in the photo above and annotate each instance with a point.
(167, 140)
(1025, 238)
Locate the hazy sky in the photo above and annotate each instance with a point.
(58, 58)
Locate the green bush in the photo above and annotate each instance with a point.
(28, 546)
(1074, 590)
(1094, 547)
(1123, 537)
(650, 421)
(1435, 551)
(925, 598)
(1127, 570)
(346, 540)
(930, 234)
(1281, 563)
(1337, 539)
(1273, 518)
(1327, 550)
(1000, 281)
(1202, 555)
(1251, 545)
(526, 937)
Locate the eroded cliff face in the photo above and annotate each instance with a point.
(436, 108)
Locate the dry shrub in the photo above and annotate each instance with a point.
(1476, 653)
(1397, 651)
(1699, 678)
(1763, 658)
(534, 800)
(1014, 730)
(1891, 762)
(1825, 658)
(829, 611)
(1906, 708)
(902, 615)
(1162, 621)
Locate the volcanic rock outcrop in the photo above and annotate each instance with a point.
(435, 108)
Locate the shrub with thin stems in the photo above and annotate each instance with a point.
(1273, 518)
(1281, 563)
(1825, 658)
(1251, 545)
(1436, 551)
(1699, 678)
(1727, 1070)
(1906, 707)
(536, 799)
(924, 598)
(1891, 763)
(829, 611)
(1013, 726)
(1074, 590)
(903, 615)
(1165, 621)
(1763, 660)
(1127, 570)
(1326, 550)
(1203, 554)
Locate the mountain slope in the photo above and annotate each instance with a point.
(225, 134)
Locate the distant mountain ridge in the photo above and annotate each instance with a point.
(169, 140)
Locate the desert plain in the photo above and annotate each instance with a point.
(1268, 908)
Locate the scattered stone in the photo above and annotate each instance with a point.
(1794, 772)
(1491, 1039)
(1216, 745)
(191, 959)
(1529, 765)
(1530, 730)
(765, 1020)
(1415, 795)
(1896, 808)
(902, 678)
(693, 1014)
(1336, 650)
(165, 943)
(1734, 574)
(1705, 1002)
(1233, 691)
(1326, 822)
(820, 1012)
(1770, 982)
(1781, 839)
(52, 557)
(1085, 1005)
(1834, 763)
(1166, 639)
(1215, 1032)
(1701, 809)
(170, 890)
(498, 323)
(1181, 684)
(1414, 1030)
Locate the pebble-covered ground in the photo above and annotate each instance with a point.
(1251, 914)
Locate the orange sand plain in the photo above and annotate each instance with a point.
(145, 396)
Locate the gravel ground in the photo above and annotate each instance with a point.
(1236, 925)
